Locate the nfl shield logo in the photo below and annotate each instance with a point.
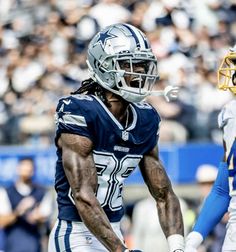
(125, 135)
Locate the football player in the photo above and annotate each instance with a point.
(223, 194)
(104, 131)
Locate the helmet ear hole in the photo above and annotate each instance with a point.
(234, 78)
(119, 84)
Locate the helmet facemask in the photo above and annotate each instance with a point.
(133, 75)
(227, 73)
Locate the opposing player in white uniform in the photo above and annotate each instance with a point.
(104, 131)
(223, 195)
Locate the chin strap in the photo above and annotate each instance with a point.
(170, 93)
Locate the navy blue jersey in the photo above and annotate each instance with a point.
(117, 150)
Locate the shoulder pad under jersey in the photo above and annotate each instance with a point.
(228, 112)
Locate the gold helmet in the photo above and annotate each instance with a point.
(227, 72)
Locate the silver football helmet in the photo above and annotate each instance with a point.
(116, 54)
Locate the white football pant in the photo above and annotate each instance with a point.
(75, 237)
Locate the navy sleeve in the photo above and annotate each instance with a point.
(71, 117)
(156, 121)
(152, 129)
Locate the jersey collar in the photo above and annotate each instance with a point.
(121, 127)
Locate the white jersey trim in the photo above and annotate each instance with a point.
(134, 122)
(74, 119)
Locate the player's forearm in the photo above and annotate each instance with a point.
(170, 215)
(171, 221)
(218, 199)
(97, 222)
(7, 220)
(169, 212)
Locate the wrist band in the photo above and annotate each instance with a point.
(176, 243)
(194, 239)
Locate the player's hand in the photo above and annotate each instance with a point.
(24, 205)
(171, 93)
(193, 241)
(190, 249)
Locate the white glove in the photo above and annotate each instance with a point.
(189, 249)
(176, 243)
(192, 242)
(170, 93)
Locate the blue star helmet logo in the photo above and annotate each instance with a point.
(104, 36)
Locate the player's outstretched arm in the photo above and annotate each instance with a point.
(81, 173)
(218, 199)
(168, 206)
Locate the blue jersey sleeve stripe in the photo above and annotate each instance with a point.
(232, 154)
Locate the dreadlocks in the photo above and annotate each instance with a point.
(89, 86)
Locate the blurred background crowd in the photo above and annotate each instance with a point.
(43, 46)
(43, 52)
